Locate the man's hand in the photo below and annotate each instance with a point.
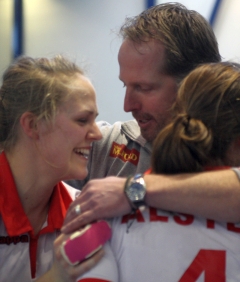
(101, 198)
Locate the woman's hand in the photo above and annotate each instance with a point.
(62, 271)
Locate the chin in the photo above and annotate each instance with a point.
(78, 174)
(81, 174)
(148, 136)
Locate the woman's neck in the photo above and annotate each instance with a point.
(34, 185)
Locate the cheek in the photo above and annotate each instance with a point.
(160, 107)
(74, 135)
(69, 133)
(156, 104)
(54, 146)
(166, 100)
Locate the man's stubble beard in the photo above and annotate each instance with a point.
(150, 135)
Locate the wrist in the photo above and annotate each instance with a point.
(135, 191)
(124, 191)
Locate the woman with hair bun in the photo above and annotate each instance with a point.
(206, 128)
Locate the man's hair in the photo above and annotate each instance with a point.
(206, 122)
(188, 38)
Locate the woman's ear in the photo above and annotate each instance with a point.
(28, 122)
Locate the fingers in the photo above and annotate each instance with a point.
(102, 198)
(75, 271)
(72, 224)
(63, 270)
(80, 213)
(86, 265)
(75, 209)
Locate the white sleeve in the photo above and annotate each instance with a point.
(105, 270)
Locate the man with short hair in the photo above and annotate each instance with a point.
(160, 47)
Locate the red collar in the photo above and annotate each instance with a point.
(13, 215)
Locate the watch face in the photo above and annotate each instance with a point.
(136, 192)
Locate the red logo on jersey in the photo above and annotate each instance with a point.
(125, 154)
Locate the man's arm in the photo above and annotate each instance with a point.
(214, 195)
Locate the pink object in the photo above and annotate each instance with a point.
(83, 244)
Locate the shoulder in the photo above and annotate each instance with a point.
(125, 130)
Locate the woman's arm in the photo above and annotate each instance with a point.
(62, 271)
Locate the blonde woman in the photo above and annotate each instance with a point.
(47, 126)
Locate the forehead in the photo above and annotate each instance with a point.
(80, 94)
(143, 61)
(82, 86)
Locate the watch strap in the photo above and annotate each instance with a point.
(129, 178)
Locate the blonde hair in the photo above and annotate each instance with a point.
(35, 85)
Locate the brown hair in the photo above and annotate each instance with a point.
(188, 38)
(35, 85)
(206, 120)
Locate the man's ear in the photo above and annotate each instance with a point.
(28, 122)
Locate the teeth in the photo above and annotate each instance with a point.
(84, 152)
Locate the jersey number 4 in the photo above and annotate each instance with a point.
(210, 262)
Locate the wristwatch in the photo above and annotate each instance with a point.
(135, 190)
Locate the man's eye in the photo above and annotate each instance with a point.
(82, 120)
(140, 88)
(143, 88)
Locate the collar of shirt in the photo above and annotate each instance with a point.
(12, 212)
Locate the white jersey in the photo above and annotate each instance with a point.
(171, 247)
(24, 256)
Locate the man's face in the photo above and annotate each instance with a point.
(149, 93)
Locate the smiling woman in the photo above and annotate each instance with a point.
(47, 125)
(69, 155)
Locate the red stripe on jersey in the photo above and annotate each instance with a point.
(16, 221)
